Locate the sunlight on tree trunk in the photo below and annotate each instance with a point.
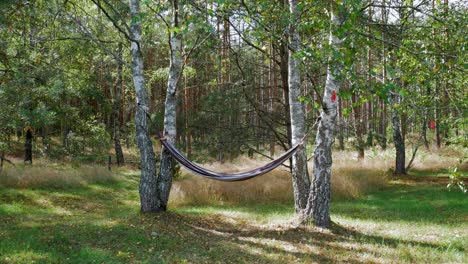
(318, 206)
(300, 175)
(166, 171)
(148, 186)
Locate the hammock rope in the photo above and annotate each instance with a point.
(220, 176)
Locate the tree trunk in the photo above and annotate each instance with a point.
(28, 146)
(167, 166)
(340, 126)
(318, 206)
(300, 175)
(358, 128)
(383, 108)
(283, 53)
(116, 111)
(149, 198)
(424, 131)
(398, 139)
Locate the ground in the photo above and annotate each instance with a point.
(411, 220)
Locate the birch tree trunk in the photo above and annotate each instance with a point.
(318, 205)
(148, 192)
(166, 171)
(116, 111)
(300, 175)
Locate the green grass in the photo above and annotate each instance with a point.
(101, 223)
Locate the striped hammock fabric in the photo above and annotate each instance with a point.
(228, 177)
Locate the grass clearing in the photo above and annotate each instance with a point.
(408, 221)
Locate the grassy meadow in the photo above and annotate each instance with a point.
(54, 214)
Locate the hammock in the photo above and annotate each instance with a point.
(227, 177)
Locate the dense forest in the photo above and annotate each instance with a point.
(80, 80)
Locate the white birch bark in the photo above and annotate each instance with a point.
(318, 206)
(166, 171)
(148, 192)
(300, 175)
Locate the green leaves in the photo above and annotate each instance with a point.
(456, 178)
(305, 99)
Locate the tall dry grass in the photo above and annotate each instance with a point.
(52, 177)
(350, 179)
(195, 190)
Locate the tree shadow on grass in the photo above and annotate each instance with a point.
(176, 237)
(103, 227)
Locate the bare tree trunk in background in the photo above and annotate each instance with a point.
(318, 206)
(283, 52)
(28, 146)
(383, 107)
(271, 97)
(340, 126)
(148, 186)
(166, 171)
(116, 110)
(300, 175)
(358, 127)
(437, 117)
(424, 131)
(370, 119)
(187, 109)
(437, 89)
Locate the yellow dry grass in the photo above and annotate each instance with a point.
(55, 177)
(350, 178)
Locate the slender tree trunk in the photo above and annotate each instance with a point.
(318, 206)
(359, 128)
(383, 107)
(187, 109)
(370, 120)
(28, 146)
(340, 126)
(116, 111)
(271, 97)
(283, 52)
(436, 89)
(398, 139)
(437, 119)
(301, 181)
(167, 166)
(424, 131)
(149, 198)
